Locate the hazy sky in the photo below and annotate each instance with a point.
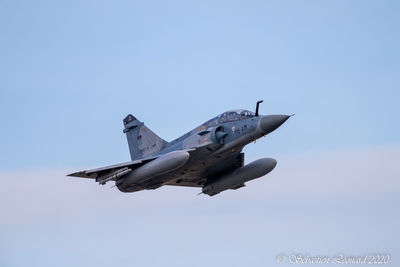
(71, 71)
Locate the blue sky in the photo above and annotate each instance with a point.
(71, 71)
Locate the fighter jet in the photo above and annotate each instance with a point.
(209, 157)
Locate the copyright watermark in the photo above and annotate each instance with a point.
(299, 258)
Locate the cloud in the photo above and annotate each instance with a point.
(344, 200)
(350, 173)
(362, 174)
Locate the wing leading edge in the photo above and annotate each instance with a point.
(112, 172)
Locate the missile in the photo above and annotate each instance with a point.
(113, 176)
(237, 178)
(164, 164)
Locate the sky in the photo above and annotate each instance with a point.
(70, 71)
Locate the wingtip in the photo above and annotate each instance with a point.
(77, 174)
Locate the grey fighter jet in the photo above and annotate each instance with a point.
(208, 157)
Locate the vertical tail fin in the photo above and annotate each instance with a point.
(141, 140)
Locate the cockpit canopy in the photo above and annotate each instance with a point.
(232, 115)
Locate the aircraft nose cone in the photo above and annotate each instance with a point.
(270, 123)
